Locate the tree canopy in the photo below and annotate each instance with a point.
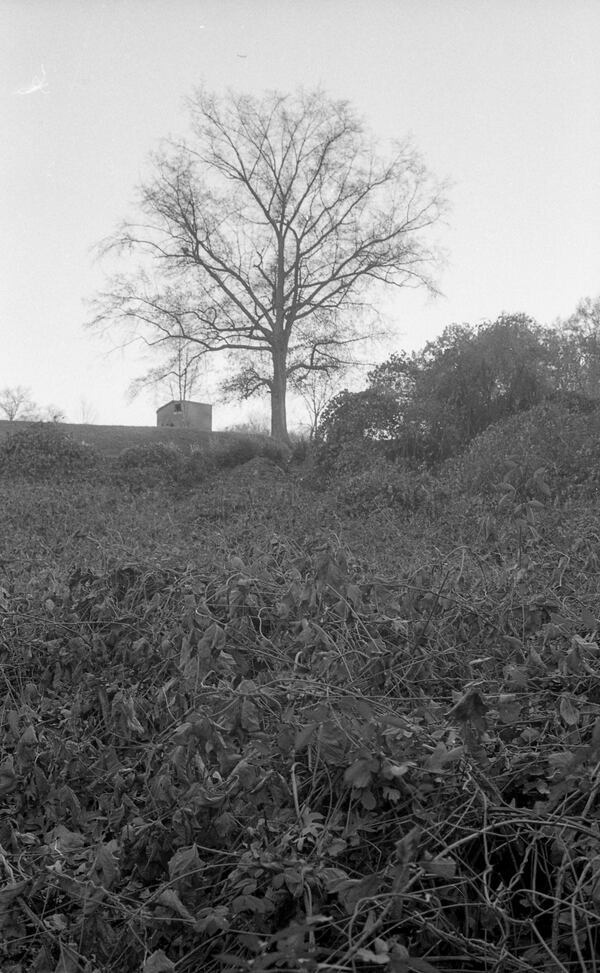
(263, 235)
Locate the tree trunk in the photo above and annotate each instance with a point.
(278, 397)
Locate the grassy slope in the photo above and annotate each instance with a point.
(234, 717)
(110, 440)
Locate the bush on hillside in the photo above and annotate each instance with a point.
(300, 450)
(275, 451)
(227, 453)
(382, 484)
(149, 465)
(329, 463)
(44, 450)
(564, 441)
(356, 418)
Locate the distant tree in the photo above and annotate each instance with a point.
(48, 413)
(579, 340)
(316, 390)
(87, 413)
(253, 427)
(178, 373)
(267, 233)
(16, 403)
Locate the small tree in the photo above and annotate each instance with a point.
(266, 234)
(50, 413)
(316, 390)
(579, 339)
(16, 403)
(87, 412)
(179, 372)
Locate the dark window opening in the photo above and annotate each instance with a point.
(178, 407)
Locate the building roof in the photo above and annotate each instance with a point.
(183, 402)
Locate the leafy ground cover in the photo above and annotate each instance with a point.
(254, 724)
(111, 440)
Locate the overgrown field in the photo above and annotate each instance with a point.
(257, 720)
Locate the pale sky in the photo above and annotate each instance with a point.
(501, 97)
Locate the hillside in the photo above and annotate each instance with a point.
(274, 722)
(110, 440)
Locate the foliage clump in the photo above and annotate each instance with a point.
(44, 450)
(383, 484)
(557, 436)
(429, 405)
(149, 464)
(233, 451)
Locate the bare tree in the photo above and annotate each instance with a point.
(87, 412)
(579, 343)
(266, 234)
(16, 403)
(180, 370)
(317, 389)
(255, 421)
(50, 413)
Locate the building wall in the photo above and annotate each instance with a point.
(190, 415)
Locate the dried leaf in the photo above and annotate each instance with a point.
(588, 620)
(249, 716)
(8, 778)
(69, 961)
(105, 871)
(535, 661)
(509, 710)
(359, 773)
(304, 736)
(184, 865)
(66, 842)
(158, 962)
(574, 659)
(368, 956)
(440, 867)
(406, 847)
(441, 756)
(9, 893)
(470, 709)
(568, 711)
(350, 891)
(170, 899)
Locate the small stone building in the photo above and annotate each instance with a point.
(185, 415)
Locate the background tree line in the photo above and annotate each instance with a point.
(17, 404)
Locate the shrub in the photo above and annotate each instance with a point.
(45, 450)
(331, 461)
(301, 450)
(235, 450)
(150, 464)
(383, 484)
(557, 436)
(354, 415)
